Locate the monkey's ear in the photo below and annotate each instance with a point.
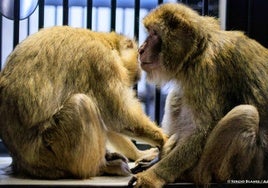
(127, 44)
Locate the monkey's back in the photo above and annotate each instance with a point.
(45, 69)
(240, 66)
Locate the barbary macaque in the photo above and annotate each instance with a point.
(216, 113)
(63, 91)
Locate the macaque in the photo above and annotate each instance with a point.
(217, 111)
(63, 91)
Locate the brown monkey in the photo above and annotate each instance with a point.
(217, 113)
(62, 91)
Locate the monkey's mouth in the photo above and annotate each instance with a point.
(147, 66)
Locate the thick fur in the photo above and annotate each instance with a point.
(217, 110)
(61, 91)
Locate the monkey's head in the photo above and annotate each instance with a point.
(127, 50)
(175, 34)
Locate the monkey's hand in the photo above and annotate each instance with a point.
(116, 164)
(113, 156)
(144, 165)
(147, 159)
(147, 179)
(147, 155)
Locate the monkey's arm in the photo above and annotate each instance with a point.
(140, 127)
(183, 157)
(127, 117)
(122, 111)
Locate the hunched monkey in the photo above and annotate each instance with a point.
(216, 114)
(62, 91)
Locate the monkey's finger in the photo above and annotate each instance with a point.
(143, 165)
(125, 169)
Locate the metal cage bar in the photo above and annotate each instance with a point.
(1, 37)
(16, 23)
(65, 12)
(113, 15)
(41, 14)
(205, 7)
(89, 13)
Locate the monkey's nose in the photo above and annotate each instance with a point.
(141, 51)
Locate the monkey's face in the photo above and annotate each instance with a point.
(150, 57)
(172, 38)
(149, 52)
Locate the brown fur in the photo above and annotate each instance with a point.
(61, 90)
(217, 110)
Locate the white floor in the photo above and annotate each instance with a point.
(6, 179)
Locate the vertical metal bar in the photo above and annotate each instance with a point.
(65, 17)
(157, 96)
(205, 7)
(1, 34)
(16, 23)
(136, 19)
(249, 18)
(157, 105)
(41, 14)
(28, 26)
(89, 14)
(136, 27)
(113, 14)
(160, 2)
(227, 20)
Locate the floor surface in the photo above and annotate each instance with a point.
(103, 181)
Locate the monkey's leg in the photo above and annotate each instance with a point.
(77, 140)
(231, 150)
(74, 141)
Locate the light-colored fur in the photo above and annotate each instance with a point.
(61, 91)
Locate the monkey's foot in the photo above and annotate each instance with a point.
(116, 164)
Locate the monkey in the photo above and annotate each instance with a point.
(63, 91)
(216, 112)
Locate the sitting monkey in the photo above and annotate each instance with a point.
(63, 91)
(217, 112)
